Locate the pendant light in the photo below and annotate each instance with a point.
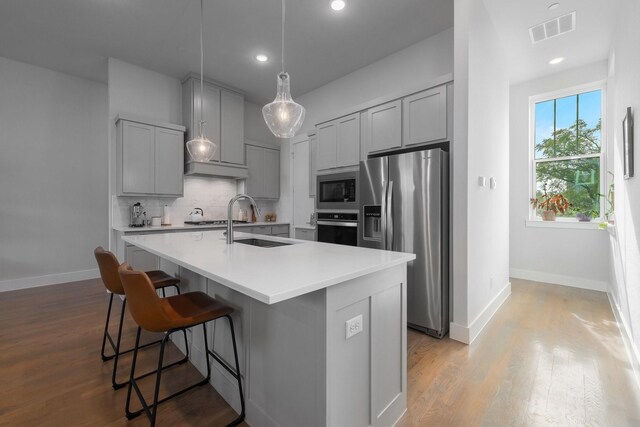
(201, 149)
(283, 116)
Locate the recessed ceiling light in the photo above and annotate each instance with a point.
(337, 4)
(555, 61)
(261, 57)
(553, 6)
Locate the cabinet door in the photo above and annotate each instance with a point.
(169, 162)
(232, 128)
(425, 116)
(348, 140)
(271, 174)
(255, 163)
(384, 130)
(305, 234)
(303, 205)
(211, 114)
(313, 167)
(327, 140)
(139, 259)
(138, 161)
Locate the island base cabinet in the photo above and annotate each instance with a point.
(298, 367)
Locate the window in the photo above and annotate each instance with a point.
(567, 150)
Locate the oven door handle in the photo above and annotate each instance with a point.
(338, 223)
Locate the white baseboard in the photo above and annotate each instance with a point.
(632, 350)
(467, 334)
(50, 279)
(559, 279)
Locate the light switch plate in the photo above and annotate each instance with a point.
(354, 326)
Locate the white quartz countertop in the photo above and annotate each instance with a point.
(269, 275)
(127, 229)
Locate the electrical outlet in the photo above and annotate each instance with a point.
(354, 326)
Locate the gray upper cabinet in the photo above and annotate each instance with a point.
(425, 116)
(137, 157)
(263, 163)
(338, 142)
(150, 158)
(383, 127)
(271, 173)
(232, 127)
(348, 142)
(169, 161)
(313, 167)
(223, 111)
(327, 145)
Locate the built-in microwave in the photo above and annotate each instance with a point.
(337, 191)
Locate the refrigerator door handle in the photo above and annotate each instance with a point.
(389, 216)
(383, 209)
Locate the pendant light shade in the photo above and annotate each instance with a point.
(283, 116)
(200, 148)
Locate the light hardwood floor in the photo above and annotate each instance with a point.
(552, 355)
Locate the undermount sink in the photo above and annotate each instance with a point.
(261, 243)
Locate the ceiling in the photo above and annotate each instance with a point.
(590, 42)
(75, 36)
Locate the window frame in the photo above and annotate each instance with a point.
(548, 96)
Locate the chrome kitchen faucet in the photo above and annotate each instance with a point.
(230, 213)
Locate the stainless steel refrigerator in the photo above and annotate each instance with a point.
(404, 206)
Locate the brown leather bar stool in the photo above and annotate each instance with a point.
(108, 265)
(169, 315)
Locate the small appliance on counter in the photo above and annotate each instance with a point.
(137, 215)
(196, 215)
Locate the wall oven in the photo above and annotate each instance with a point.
(338, 227)
(337, 191)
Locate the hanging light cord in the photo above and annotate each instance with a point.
(282, 57)
(202, 67)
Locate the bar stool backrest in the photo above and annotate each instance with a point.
(108, 265)
(145, 305)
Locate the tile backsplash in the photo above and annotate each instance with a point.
(210, 194)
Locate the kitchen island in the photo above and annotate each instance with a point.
(295, 306)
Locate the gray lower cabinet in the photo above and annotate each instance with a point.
(266, 230)
(139, 259)
(150, 158)
(263, 166)
(305, 234)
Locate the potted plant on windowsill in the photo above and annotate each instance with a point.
(550, 204)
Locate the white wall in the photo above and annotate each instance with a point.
(625, 86)
(576, 257)
(53, 175)
(148, 94)
(480, 148)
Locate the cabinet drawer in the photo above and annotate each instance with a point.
(279, 229)
(305, 234)
(264, 229)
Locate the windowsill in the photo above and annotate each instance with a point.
(563, 223)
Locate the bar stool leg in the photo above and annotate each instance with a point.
(131, 415)
(115, 384)
(106, 330)
(237, 374)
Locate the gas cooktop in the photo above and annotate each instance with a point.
(214, 222)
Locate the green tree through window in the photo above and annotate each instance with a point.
(567, 150)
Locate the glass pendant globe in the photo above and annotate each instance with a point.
(201, 149)
(283, 116)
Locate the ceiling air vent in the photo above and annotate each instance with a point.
(552, 28)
